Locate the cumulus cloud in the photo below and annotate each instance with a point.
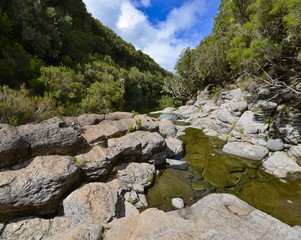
(163, 41)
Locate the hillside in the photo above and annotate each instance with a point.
(64, 59)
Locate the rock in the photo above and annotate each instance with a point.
(130, 210)
(34, 228)
(177, 203)
(12, 146)
(280, 165)
(98, 162)
(225, 116)
(275, 144)
(90, 119)
(177, 164)
(52, 136)
(142, 203)
(135, 176)
(187, 110)
(38, 188)
(246, 150)
(216, 216)
(237, 108)
(295, 153)
(93, 203)
(174, 147)
(118, 116)
(264, 107)
(147, 123)
(80, 232)
(167, 129)
(250, 123)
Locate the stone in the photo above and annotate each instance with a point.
(280, 165)
(177, 203)
(12, 146)
(93, 203)
(130, 210)
(177, 164)
(216, 216)
(34, 228)
(275, 145)
(52, 136)
(167, 129)
(38, 188)
(118, 116)
(147, 123)
(97, 163)
(295, 153)
(142, 203)
(187, 110)
(174, 147)
(237, 108)
(225, 116)
(90, 119)
(246, 150)
(80, 232)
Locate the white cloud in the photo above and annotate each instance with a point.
(163, 41)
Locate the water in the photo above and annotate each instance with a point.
(211, 170)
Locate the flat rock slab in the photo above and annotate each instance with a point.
(52, 136)
(246, 150)
(34, 228)
(216, 216)
(118, 116)
(90, 119)
(39, 187)
(280, 165)
(12, 146)
(93, 203)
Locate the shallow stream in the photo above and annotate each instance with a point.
(211, 170)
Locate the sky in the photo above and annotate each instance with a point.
(159, 28)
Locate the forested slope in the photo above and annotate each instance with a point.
(254, 42)
(67, 62)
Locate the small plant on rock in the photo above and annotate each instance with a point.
(131, 129)
(138, 123)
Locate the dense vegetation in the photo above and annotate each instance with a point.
(257, 42)
(55, 58)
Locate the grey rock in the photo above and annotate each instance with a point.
(38, 188)
(187, 110)
(12, 146)
(237, 108)
(280, 165)
(209, 107)
(130, 210)
(177, 203)
(147, 123)
(93, 203)
(81, 232)
(142, 203)
(52, 136)
(246, 150)
(174, 147)
(167, 129)
(90, 119)
(34, 228)
(98, 162)
(177, 164)
(295, 153)
(118, 116)
(225, 116)
(275, 144)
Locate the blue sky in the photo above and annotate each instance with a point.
(160, 28)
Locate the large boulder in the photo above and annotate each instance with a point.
(40, 187)
(216, 216)
(52, 136)
(295, 153)
(118, 116)
(282, 166)
(90, 119)
(246, 150)
(167, 128)
(34, 228)
(97, 163)
(93, 203)
(12, 146)
(224, 115)
(174, 147)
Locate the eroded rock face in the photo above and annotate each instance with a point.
(12, 146)
(52, 136)
(216, 216)
(174, 147)
(34, 228)
(93, 203)
(39, 187)
(246, 150)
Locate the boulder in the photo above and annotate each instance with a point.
(146, 123)
(282, 166)
(275, 145)
(34, 228)
(177, 164)
(52, 136)
(118, 116)
(12, 146)
(187, 110)
(93, 203)
(177, 203)
(208, 107)
(295, 153)
(246, 150)
(97, 163)
(38, 188)
(80, 232)
(167, 129)
(225, 116)
(90, 119)
(237, 108)
(216, 216)
(174, 147)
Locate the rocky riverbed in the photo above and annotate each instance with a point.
(85, 177)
